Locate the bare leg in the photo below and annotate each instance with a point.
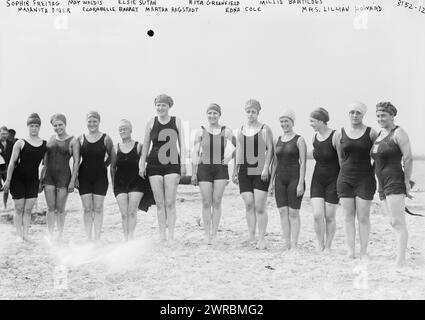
(395, 207)
(18, 218)
(363, 217)
(133, 205)
(206, 189)
(50, 194)
(219, 186)
(286, 227)
(260, 202)
(171, 182)
(330, 214)
(98, 215)
(248, 198)
(61, 198)
(29, 204)
(88, 206)
(349, 210)
(122, 200)
(157, 185)
(319, 221)
(295, 221)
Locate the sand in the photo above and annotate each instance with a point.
(191, 269)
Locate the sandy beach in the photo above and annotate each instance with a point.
(191, 269)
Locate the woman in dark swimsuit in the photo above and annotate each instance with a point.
(23, 177)
(210, 169)
(356, 184)
(254, 151)
(92, 174)
(129, 187)
(323, 194)
(288, 178)
(165, 164)
(57, 179)
(6, 148)
(391, 149)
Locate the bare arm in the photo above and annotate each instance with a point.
(43, 170)
(302, 147)
(373, 135)
(113, 168)
(17, 147)
(273, 165)
(75, 151)
(110, 150)
(232, 138)
(338, 147)
(195, 153)
(335, 139)
(182, 146)
(238, 157)
(402, 139)
(145, 149)
(269, 150)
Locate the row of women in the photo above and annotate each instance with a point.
(346, 163)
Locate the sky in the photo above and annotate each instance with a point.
(282, 58)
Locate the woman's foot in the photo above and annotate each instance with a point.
(261, 245)
(248, 242)
(350, 254)
(400, 263)
(198, 221)
(320, 248)
(19, 239)
(327, 251)
(364, 257)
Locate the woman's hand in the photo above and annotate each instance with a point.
(408, 188)
(194, 180)
(6, 186)
(300, 190)
(183, 170)
(235, 178)
(40, 188)
(271, 188)
(71, 187)
(142, 171)
(265, 175)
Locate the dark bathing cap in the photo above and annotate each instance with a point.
(215, 107)
(163, 98)
(93, 114)
(320, 114)
(386, 107)
(58, 117)
(252, 103)
(34, 118)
